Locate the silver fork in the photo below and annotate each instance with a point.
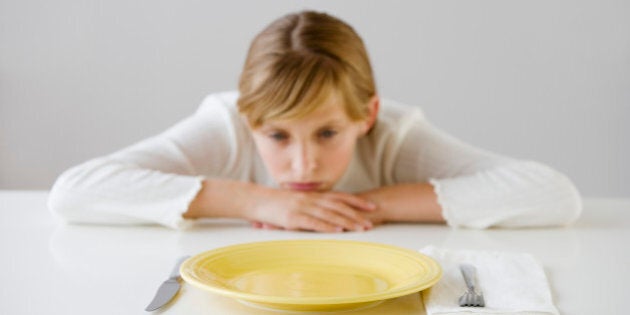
(472, 296)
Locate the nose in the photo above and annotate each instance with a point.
(304, 160)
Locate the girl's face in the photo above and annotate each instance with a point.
(310, 153)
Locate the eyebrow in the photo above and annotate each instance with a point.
(331, 122)
(335, 121)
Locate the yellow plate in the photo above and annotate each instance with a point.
(311, 275)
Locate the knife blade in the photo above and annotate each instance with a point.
(168, 289)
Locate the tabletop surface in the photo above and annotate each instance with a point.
(49, 267)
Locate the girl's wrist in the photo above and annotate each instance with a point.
(414, 202)
(251, 196)
(226, 199)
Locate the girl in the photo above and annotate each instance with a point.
(307, 144)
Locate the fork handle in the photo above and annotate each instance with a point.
(468, 271)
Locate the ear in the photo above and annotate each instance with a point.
(373, 107)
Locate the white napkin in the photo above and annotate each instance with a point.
(512, 283)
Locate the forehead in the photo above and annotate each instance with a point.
(330, 112)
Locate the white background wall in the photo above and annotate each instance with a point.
(543, 80)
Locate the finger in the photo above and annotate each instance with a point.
(265, 226)
(333, 218)
(354, 201)
(341, 214)
(313, 223)
(269, 226)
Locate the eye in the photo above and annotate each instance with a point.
(327, 133)
(278, 136)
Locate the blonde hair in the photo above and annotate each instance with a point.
(300, 61)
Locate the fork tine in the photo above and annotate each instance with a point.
(462, 300)
(472, 296)
(480, 301)
(466, 299)
(471, 299)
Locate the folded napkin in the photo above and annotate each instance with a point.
(512, 283)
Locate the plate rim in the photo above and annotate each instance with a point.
(302, 301)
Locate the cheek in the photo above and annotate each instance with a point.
(337, 160)
(270, 155)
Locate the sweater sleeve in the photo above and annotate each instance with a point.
(152, 181)
(480, 189)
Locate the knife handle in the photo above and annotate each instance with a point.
(175, 272)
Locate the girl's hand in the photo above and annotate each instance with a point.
(310, 211)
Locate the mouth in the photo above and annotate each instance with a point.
(310, 186)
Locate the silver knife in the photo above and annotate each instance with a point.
(168, 289)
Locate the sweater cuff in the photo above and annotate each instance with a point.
(519, 194)
(173, 215)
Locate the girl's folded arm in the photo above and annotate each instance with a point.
(479, 189)
(153, 181)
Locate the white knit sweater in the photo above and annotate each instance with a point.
(155, 180)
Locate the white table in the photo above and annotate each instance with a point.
(48, 267)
